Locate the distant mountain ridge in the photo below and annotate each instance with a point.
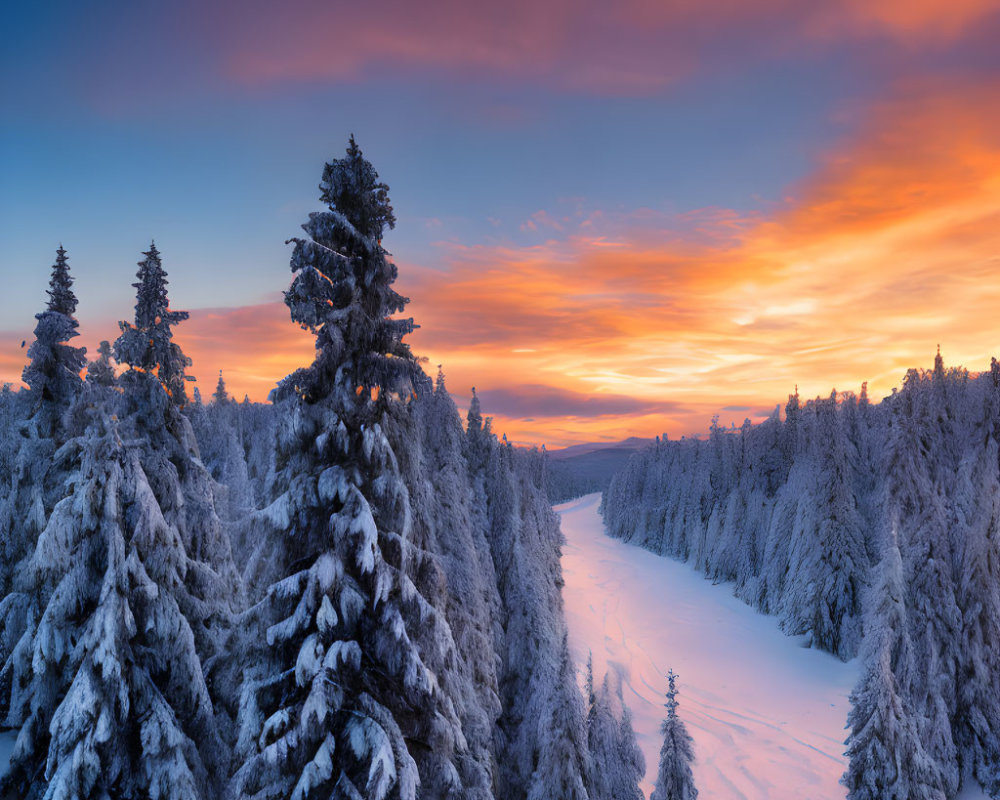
(631, 444)
(584, 468)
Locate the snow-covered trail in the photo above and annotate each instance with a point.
(766, 714)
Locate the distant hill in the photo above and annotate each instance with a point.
(631, 444)
(585, 468)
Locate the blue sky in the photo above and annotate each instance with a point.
(529, 134)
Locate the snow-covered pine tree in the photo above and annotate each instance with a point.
(563, 767)
(543, 728)
(162, 444)
(110, 697)
(474, 419)
(12, 412)
(887, 757)
(219, 429)
(445, 524)
(915, 501)
(100, 371)
(53, 371)
(153, 393)
(830, 563)
(37, 468)
(977, 723)
(674, 781)
(53, 378)
(340, 702)
(148, 343)
(589, 697)
(630, 757)
(220, 395)
(618, 763)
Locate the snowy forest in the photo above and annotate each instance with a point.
(343, 593)
(871, 530)
(351, 592)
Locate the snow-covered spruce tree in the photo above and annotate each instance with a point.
(830, 562)
(887, 758)
(36, 474)
(977, 724)
(674, 780)
(543, 746)
(13, 411)
(147, 344)
(934, 620)
(632, 762)
(445, 524)
(619, 765)
(340, 702)
(219, 429)
(100, 370)
(589, 696)
(110, 697)
(220, 395)
(53, 377)
(152, 395)
(563, 760)
(53, 371)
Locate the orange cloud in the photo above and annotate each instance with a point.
(255, 346)
(914, 21)
(892, 247)
(645, 322)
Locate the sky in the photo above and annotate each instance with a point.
(614, 219)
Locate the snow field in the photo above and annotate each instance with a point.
(767, 715)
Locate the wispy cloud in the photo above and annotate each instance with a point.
(638, 322)
(636, 48)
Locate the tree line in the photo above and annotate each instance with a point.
(344, 593)
(868, 529)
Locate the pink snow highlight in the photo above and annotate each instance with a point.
(767, 715)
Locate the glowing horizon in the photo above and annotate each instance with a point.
(611, 224)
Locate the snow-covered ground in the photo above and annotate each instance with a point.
(767, 715)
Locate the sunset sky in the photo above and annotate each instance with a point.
(614, 219)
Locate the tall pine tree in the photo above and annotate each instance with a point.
(341, 701)
(53, 371)
(109, 693)
(674, 781)
(220, 395)
(38, 467)
(887, 758)
(147, 344)
(978, 715)
(617, 760)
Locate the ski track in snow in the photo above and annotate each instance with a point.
(767, 715)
